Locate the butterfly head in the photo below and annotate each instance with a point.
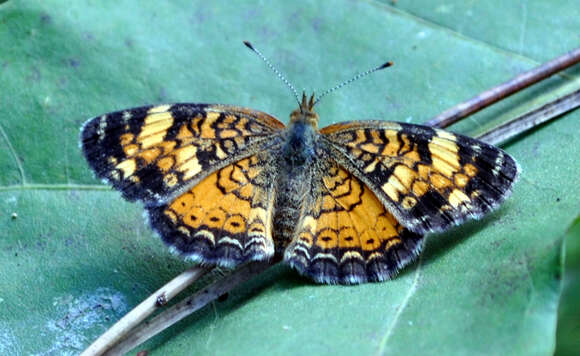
(305, 113)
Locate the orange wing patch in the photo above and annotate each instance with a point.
(347, 236)
(226, 219)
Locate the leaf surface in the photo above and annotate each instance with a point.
(74, 256)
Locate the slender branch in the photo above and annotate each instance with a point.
(531, 119)
(189, 305)
(504, 90)
(143, 310)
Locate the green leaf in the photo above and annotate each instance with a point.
(568, 331)
(74, 257)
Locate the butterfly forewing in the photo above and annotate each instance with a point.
(428, 178)
(155, 152)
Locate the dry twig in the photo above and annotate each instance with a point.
(188, 305)
(504, 90)
(531, 119)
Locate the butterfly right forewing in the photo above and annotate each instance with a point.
(429, 179)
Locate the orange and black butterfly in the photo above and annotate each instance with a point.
(348, 203)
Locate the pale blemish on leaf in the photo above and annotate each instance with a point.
(80, 319)
(8, 341)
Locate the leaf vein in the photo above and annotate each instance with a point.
(94, 187)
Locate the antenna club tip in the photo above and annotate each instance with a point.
(249, 45)
(386, 65)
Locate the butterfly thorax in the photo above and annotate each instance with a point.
(301, 134)
(298, 148)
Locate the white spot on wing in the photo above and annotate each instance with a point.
(259, 239)
(322, 256)
(228, 240)
(498, 164)
(127, 116)
(102, 127)
(303, 249)
(207, 234)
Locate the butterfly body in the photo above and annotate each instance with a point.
(349, 203)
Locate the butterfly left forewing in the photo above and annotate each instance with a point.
(428, 178)
(153, 153)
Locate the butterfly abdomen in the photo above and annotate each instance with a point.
(290, 191)
(294, 174)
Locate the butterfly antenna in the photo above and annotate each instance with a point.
(356, 77)
(282, 78)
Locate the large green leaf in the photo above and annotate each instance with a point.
(74, 256)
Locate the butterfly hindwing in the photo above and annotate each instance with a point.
(153, 152)
(428, 178)
(346, 235)
(226, 219)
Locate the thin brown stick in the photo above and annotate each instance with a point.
(504, 90)
(143, 310)
(187, 306)
(531, 119)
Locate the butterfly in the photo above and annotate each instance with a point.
(349, 203)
